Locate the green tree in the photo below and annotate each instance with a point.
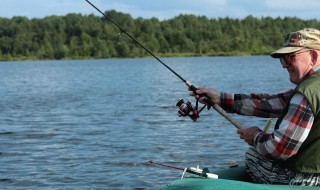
(77, 36)
(60, 52)
(122, 50)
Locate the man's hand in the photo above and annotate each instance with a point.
(248, 134)
(213, 94)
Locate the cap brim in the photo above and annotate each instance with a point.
(285, 50)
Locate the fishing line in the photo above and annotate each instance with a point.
(136, 41)
(189, 84)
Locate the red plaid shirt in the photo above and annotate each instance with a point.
(294, 128)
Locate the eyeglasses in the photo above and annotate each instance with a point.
(287, 58)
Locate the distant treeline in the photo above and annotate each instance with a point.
(77, 36)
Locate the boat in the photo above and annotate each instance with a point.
(234, 178)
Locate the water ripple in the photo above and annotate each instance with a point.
(95, 124)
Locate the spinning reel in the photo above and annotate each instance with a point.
(186, 109)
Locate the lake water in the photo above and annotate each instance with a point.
(95, 124)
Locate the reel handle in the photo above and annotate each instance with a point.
(215, 106)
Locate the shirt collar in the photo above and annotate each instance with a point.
(316, 68)
(311, 72)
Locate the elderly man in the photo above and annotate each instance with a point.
(291, 153)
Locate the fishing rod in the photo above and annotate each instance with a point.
(189, 84)
(197, 171)
(167, 166)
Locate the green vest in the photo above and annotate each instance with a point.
(307, 160)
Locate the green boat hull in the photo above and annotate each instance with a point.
(231, 179)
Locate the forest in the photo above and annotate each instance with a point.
(77, 36)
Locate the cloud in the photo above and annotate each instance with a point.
(165, 9)
(38, 9)
(293, 5)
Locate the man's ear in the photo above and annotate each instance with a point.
(314, 56)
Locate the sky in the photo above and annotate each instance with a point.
(165, 9)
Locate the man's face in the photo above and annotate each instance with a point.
(298, 64)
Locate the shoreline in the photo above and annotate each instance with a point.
(168, 55)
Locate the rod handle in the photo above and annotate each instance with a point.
(268, 125)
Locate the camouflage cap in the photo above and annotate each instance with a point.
(295, 41)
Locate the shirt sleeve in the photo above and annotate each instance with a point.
(293, 131)
(261, 105)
